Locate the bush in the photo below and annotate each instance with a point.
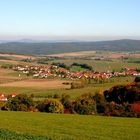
(136, 108)
(84, 66)
(119, 110)
(51, 106)
(122, 94)
(80, 84)
(85, 105)
(100, 103)
(75, 85)
(67, 103)
(2, 104)
(65, 100)
(137, 79)
(7, 66)
(20, 103)
(62, 65)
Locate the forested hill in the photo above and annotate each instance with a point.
(62, 47)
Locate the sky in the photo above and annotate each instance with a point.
(70, 19)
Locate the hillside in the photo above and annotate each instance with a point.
(62, 47)
(70, 127)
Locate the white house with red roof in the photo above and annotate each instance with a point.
(3, 97)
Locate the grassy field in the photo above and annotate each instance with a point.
(115, 61)
(42, 92)
(71, 126)
(101, 65)
(43, 126)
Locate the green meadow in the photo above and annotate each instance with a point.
(44, 126)
(100, 65)
(76, 127)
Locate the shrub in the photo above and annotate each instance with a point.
(136, 108)
(67, 103)
(85, 66)
(121, 94)
(85, 105)
(20, 103)
(100, 103)
(2, 104)
(77, 84)
(113, 109)
(7, 66)
(137, 79)
(80, 84)
(65, 100)
(51, 106)
(119, 110)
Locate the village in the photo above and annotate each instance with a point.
(52, 71)
(55, 72)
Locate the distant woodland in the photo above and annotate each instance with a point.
(63, 47)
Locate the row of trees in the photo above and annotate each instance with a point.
(82, 105)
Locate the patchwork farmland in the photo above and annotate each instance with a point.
(51, 82)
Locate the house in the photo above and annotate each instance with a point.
(3, 97)
(13, 95)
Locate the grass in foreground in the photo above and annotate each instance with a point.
(75, 127)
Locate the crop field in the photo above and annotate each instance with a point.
(7, 73)
(37, 83)
(105, 54)
(71, 126)
(16, 56)
(75, 54)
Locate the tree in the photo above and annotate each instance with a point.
(137, 79)
(121, 94)
(20, 103)
(65, 100)
(51, 105)
(100, 102)
(85, 104)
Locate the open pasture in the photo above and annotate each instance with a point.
(76, 127)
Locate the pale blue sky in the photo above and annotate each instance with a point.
(69, 19)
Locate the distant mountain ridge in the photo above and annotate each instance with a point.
(32, 47)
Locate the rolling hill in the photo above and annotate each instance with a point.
(63, 47)
(66, 127)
